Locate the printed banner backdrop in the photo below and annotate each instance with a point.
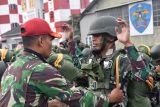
(24, 5)
(28, 9)
(141, 18)
(32, 4)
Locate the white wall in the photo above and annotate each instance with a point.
(85, 24)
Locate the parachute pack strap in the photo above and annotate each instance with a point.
(148, 48)
(3, 54)
(117, 53)
(58, 60)
(117, 70)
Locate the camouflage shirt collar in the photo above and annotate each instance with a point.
(35, 53)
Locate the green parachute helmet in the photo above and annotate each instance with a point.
(155, 52)
(144, 49)
(104, 24)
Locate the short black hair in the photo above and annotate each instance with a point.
(29, 40)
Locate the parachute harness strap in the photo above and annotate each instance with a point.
(148, 48)
(117, 70)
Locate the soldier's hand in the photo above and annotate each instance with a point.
(123, 32)
(116, 95)
(68, 30)
(56, 103)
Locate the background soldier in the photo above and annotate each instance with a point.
(7, 57)
(155, 55)
(109, 67)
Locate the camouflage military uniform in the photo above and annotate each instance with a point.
(64, 64)
(132, 69)
(138, 89)
(30, 81)
(7, 57)
(67, 69)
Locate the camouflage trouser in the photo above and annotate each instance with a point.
(56, 103)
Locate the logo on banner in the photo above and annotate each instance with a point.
(140, 15)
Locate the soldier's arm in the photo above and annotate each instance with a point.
(65, 67)
(138, 66)
(68, 30)
(52, 84)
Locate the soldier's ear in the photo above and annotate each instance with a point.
(40, 41)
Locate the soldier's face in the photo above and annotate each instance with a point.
(47, 46)
(97, 41)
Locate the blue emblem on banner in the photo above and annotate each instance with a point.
(140, 16)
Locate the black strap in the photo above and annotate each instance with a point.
(35, 53)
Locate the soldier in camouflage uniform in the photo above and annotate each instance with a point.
(69, 43)
(7, 57)
(67, 69)
(30, 81)
(140, 96)
(108, 67)
(2, 70)
(155, 55)
(73, 44)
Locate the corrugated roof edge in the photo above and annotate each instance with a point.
(88, 8)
